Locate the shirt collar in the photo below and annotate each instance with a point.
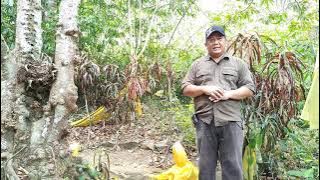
(225, 56)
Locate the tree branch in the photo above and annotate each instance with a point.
(148, 33)
(8, 164)
(140, 28)
(132, 49)
(175, 29)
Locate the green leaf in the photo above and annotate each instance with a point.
(306, 173)
(295, 173)
(258, 156)
(296, 139)
(259, 139)
(252, 143)
(159, 93)
(81, 177)
(9, 2)
(93, 173)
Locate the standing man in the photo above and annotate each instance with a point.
(218, 82)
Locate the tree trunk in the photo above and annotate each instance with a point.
(28, 29)
(15, 114)
(27, 50)
(4, 53)
(32, 125)
(63, 95)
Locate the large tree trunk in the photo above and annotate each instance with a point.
(28, 29)
(31, 122)
(15, 113)
(27, 50)
(4, 53)
(63, 95)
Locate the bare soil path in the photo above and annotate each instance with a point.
(135, 149)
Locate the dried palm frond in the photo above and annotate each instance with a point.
(156, 71)
(278, 84)
(112, 73)
(134, 88)
(86, 73)
(247, 47)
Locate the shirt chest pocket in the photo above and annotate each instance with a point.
(230, 76)
(202, 78)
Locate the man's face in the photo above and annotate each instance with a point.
(216, 44)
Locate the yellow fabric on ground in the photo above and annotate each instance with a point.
(310, 110)
(93, 118)
(183, 168)
(187, 172)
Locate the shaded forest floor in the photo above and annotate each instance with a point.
(135, 149)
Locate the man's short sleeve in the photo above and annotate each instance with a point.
(246, 78)
(190, 77)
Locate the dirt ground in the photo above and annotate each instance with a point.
(135, 150)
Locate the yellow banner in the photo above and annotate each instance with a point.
(310, 110)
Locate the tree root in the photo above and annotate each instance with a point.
(8, 168)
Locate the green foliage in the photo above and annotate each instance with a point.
(183, 114)
(182, 59)
(101, 24)
(49, 24)
(87, 172)
(108, 34)
(285, 27)
(302, 173)
(174, 117)
(108, 37)
(297, 155)
(279, 20)
(8, 19)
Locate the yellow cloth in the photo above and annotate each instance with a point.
(183, 168)
(187, 172)
(310, 110)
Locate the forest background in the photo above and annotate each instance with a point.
(131, 55)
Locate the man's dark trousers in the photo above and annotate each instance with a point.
(223, 142)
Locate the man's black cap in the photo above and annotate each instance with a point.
(213, 29)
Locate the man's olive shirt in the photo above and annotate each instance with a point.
(229, 73)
